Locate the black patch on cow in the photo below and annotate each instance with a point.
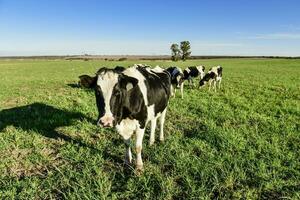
(220, 71)
(99, 101)
(119, 69)
(193, 73)
(158, 88)
(128, 104)
(207, 77)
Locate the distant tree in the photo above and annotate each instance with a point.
(175, 52)
(185, 47)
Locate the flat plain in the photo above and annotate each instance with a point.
(241, 142)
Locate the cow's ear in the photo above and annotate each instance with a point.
(127, 82)
(87, 81)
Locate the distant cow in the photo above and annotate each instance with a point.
(176, 79)
(214, 75)
(129, 100)
(192, 72)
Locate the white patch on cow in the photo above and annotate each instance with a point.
(201, 71)
(180, 70)
(126, 127)
(151, 112)
(129, 86)
(214, 70)
(187, 70)
(158, 69)
(107, 81)
(133, 72)
(178, 78)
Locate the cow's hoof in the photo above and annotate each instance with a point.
(151, 143)
(139, 170)
(127, 162)
(161, 139)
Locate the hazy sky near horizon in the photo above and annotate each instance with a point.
(140, 27)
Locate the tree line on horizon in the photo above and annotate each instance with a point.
(182, 52)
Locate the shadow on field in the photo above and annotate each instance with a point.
(41, 118)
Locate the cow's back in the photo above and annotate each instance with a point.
(155, 86)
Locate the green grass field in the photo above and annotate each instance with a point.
(242, 142)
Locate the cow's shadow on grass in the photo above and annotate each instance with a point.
(42, 119)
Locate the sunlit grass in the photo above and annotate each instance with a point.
(241, 142)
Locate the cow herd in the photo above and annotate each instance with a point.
(129, 98)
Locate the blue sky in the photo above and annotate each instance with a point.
(139, 27)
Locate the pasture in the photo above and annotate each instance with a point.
(241, 142)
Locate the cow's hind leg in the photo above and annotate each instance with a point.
(162, 122)
(215, 85)
(138, 146)
(209, 85)
(152, 131)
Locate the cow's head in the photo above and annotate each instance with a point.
(208, 76)
(179, 80)
(201, 70)
(202, 82)
(111, 88)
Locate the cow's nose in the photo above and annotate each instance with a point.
(105, 121)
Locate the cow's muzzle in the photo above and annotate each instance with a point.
(106, 121)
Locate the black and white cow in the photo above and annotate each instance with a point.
(176, 79)
(129, 100)
(214, 75)
(193, 72)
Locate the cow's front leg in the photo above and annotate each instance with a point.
(126, 129)
(172, 91)
(138, 145)
(209, 85)
(128, 156)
